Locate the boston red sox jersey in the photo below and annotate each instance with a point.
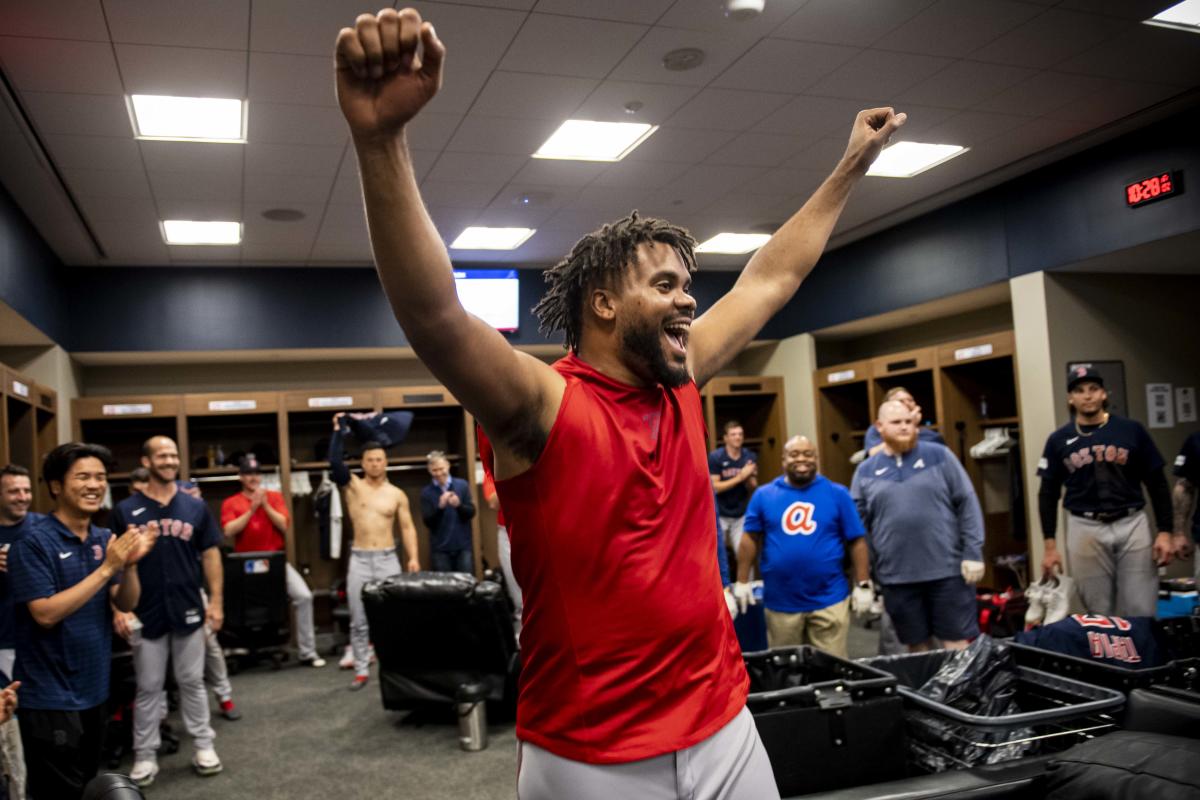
(1101, 466)
(1123, 642)
(805, 530)
(170, 573)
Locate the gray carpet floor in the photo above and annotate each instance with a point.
(305, 736)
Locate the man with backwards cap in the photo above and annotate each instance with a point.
(632, 681)
(1103, 459)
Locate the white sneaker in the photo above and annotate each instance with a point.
(347, 659)
(1037, 609)
(143, 773)
(1057, 599)
(205, 762)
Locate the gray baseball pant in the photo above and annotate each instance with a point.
(731, 764)
(504, 546)
(302, 602)
(365, 566)
(1113, 565)
(12, 753)
(187, 653)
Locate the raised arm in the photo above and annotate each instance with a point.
(388, 67)
(774, 273)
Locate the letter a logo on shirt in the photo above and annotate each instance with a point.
(798, 519)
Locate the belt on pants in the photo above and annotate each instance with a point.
(1107, 516)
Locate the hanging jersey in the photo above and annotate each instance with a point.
(1187, 465)
(1123, 642)
(628, 651)
(1101, 466)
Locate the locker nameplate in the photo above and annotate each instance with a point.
(330, 402)
(124, 409)
(20, 388)
(232, 405)
(838, 377)
(963, 353)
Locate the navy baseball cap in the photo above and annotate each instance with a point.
(388, 427)
(1080, 373)
(248, 465)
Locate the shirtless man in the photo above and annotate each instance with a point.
(628, 653)
(375, 506)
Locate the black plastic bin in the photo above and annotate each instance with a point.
(826, 722)
(1054, 713)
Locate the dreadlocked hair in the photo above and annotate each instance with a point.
(595, 260)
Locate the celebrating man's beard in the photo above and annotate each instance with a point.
(644, 340)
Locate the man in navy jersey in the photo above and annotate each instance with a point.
(172, 610)
(1187, 478)
(1103, 459)
(64, 574)
(804, 524)
(16, 495)
(733, 470)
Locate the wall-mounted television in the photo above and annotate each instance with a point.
(492, 295)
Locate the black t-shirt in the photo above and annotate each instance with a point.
(1103, 467)
(1187, 465)
(733, 501)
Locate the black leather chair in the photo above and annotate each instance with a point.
(435, 631)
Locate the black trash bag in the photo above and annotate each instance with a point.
(980, 680)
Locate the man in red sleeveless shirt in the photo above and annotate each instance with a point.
(632, 682)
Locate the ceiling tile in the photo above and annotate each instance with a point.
(809, 117)
(459, 194)
(81, 114)
(683, 145)
(476, 167)
(192, 156)
(283, 159)
(474, 37)
(286, 190)
(503, 214)
(344, 224)
(712, 180)
(1050, 38)
(90, 152)
(304, 80)
(180, 23)
(289, 252)
(226, 208)
(1115, 100)
(875, 75)
(348, 190)
(658, 102)
(504, 135)
(850, 22)
(1043, 93)
(578, 221)
(283, 123)
(512, 94)
(759, 150)
(214, 185)
(822, 155)
(451, 221)
(429, 131)
(131, 240)
(601, 203)
(645, 61)
(969, 128)
(258, 229)
(726, 109)
(957, 28)
(550, 172)
(460, 87)
(200, 255)
(276, 27)
(336, 253)
(54, 19)
(641, 174)
(526, 205)
(778, 65)
(108, 183)
(787, 181)
(182, 71)
(1128, 9)
(743, 212)
(1162, 56)
(966, 83)
(644, 11)
(556, 45)
(57, 65)
(705, 15)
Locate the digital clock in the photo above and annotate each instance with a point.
(1158, 187)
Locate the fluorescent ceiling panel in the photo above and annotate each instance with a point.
(1185, 17)
(584, 140)
(906, 159)
(735, 243)
(188, 119)
(186, 231)
(480, 238)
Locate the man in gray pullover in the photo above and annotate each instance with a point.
(925, 532)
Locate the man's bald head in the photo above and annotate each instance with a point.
(890, 408)
(896, 426)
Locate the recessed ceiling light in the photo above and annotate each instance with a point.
(1184, 16)
(584, 140)
(188, 119)
(186, 231)
(480, 238)
(906, 159)
(735, 243)
(683, 59)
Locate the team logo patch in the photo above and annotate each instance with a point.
(97, 552)
(920, 464)
(797, 519)
(1080, 371)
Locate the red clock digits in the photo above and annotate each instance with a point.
(1165, 181)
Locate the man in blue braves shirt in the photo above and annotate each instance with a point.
(925, 531)
(804, 524)
(171, 609)
(1103, 460)
(64, 574)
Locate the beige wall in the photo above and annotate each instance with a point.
(795, 359)
(911, 336)
(53, 367)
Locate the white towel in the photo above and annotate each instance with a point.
(335, 524)
(301, 485)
